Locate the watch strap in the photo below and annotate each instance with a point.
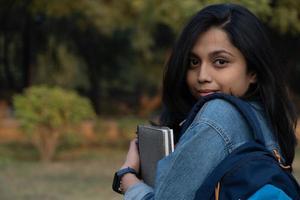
(126, 170)
(118, 176)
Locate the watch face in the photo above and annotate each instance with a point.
(116, 183)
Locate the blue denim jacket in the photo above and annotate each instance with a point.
(216, 131)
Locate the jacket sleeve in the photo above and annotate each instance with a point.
(139, 191)
(180, 174)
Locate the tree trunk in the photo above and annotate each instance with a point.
(26, 37)
(46, 141)
(6, 63)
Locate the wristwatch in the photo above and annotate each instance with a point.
(118, 176)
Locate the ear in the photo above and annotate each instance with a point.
(252, 77)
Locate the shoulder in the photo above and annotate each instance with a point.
(225, 117)
(223, 114)
(222, 110)
(219, 110)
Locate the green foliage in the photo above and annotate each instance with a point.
(50, 107)
(285, 16)
(110, 47)
(59, 66)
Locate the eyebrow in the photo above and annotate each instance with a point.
(221, 51)
(214, 53)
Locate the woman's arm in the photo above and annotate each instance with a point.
(130, 184)
(180, 174)
(133, 161)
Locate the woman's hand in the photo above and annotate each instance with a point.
(132, 158)
(133, 161)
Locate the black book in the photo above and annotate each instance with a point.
(155, 142)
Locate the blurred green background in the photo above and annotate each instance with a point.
(77, 76)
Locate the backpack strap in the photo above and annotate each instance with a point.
(243, 107)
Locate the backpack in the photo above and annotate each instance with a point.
(251, 171)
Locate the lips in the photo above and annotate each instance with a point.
(206, 92)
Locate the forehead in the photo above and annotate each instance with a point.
(214, 39)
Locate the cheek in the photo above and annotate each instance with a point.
(234, 83)
(225, 80)
(237, 87)
(190, 78)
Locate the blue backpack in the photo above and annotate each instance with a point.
(249, 172)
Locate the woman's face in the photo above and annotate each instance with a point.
(217, 66)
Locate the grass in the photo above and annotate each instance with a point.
(74, 175)
(84, 174)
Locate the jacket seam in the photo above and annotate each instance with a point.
(222, 132)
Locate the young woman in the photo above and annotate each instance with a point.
(223, 48)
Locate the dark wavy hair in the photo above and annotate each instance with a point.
(246, 33)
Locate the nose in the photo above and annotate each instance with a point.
(204, 74)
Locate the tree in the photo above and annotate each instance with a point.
(110, 49)
(46, 113)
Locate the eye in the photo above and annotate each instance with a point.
(194, 62)
(220, 62)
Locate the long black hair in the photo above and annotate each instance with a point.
(247, 33)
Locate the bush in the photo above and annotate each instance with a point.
(45, 113)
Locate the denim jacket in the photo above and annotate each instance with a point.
(216, 131)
